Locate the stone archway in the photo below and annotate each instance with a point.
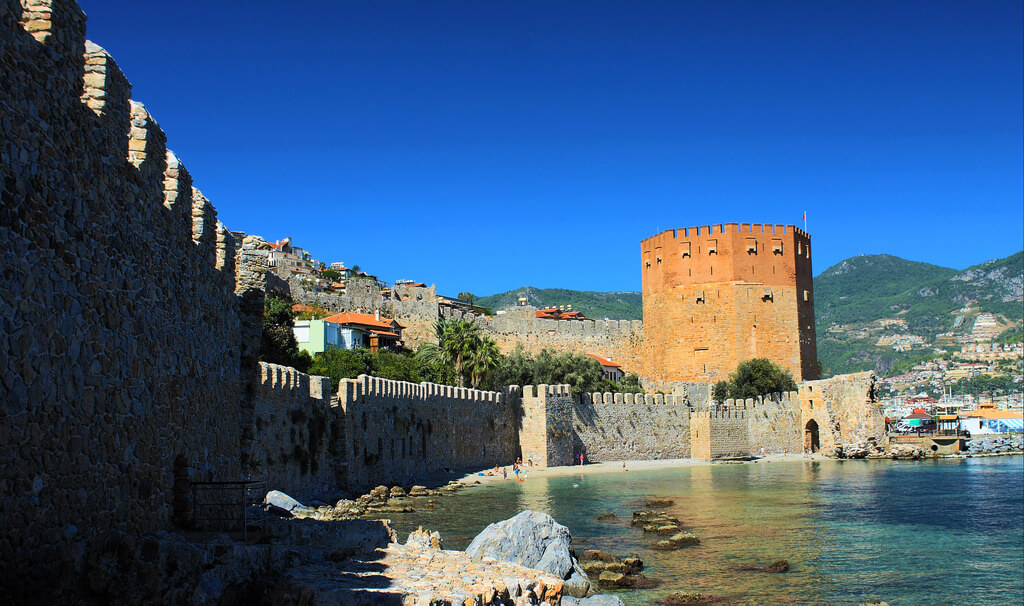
(812, 442)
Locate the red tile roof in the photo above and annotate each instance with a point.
(604, 361)
(555, 314)
(369, 320)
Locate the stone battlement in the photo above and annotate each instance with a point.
(285, 384)
(121, 129)
(629, 399)
(126, 337)
(720, 413)
(367, 387)
(724, 228)
(779, 399)
(395, 430)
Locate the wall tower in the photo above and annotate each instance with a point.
(717, 295)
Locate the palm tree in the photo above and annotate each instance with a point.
(483, 360)
(457, 340)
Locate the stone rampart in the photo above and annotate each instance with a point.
(299, 434)
(773, 422)
(721, 433)
(396, 430)
(840, 410)
(518, 326)
(546, 435)
(630, 426)
(123, 367)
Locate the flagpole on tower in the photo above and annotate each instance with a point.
(805, 221)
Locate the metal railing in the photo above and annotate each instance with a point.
(229, 505)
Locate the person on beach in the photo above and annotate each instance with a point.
(624, 466)
(581, 458)
(504, 473)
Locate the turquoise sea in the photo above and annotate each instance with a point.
(936, 532)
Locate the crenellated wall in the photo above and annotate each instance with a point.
(395, 430)
(773, 422)
(300, 434)
(520, 327)
(123, 352)
(721, 433)
(632, 426)
(546, 437)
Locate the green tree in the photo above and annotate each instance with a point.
(759, 377)
(721, 391)
(278, 344)
(337, 364)
(582, 373)
(467, 297)
(456, 340)
(630, 384)
(397, 366)
(483, 359)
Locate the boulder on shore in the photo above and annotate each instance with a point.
(282, 504)
(534, 540)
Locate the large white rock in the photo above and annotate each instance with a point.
(534, 540)
(276, 499)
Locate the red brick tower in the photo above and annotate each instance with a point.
(716, 296)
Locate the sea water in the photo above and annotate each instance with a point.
(932, 532)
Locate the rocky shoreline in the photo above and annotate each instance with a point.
(976, 447)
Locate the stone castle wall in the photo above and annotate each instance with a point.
(545, 434)
(845, 410)
(773, 422)
(632, 426)
(299, 434)
(122, 361)
(720, 434)
(396, 430)
(717, 295)
(518, 326)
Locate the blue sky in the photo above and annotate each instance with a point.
(484, 146)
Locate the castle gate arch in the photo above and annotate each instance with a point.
(812, 442)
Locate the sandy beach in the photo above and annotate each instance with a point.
(616, 467)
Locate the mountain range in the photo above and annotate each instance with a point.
(873, 312)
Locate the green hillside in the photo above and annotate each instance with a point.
(863, 299)
(614, 305)
(870, 287)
